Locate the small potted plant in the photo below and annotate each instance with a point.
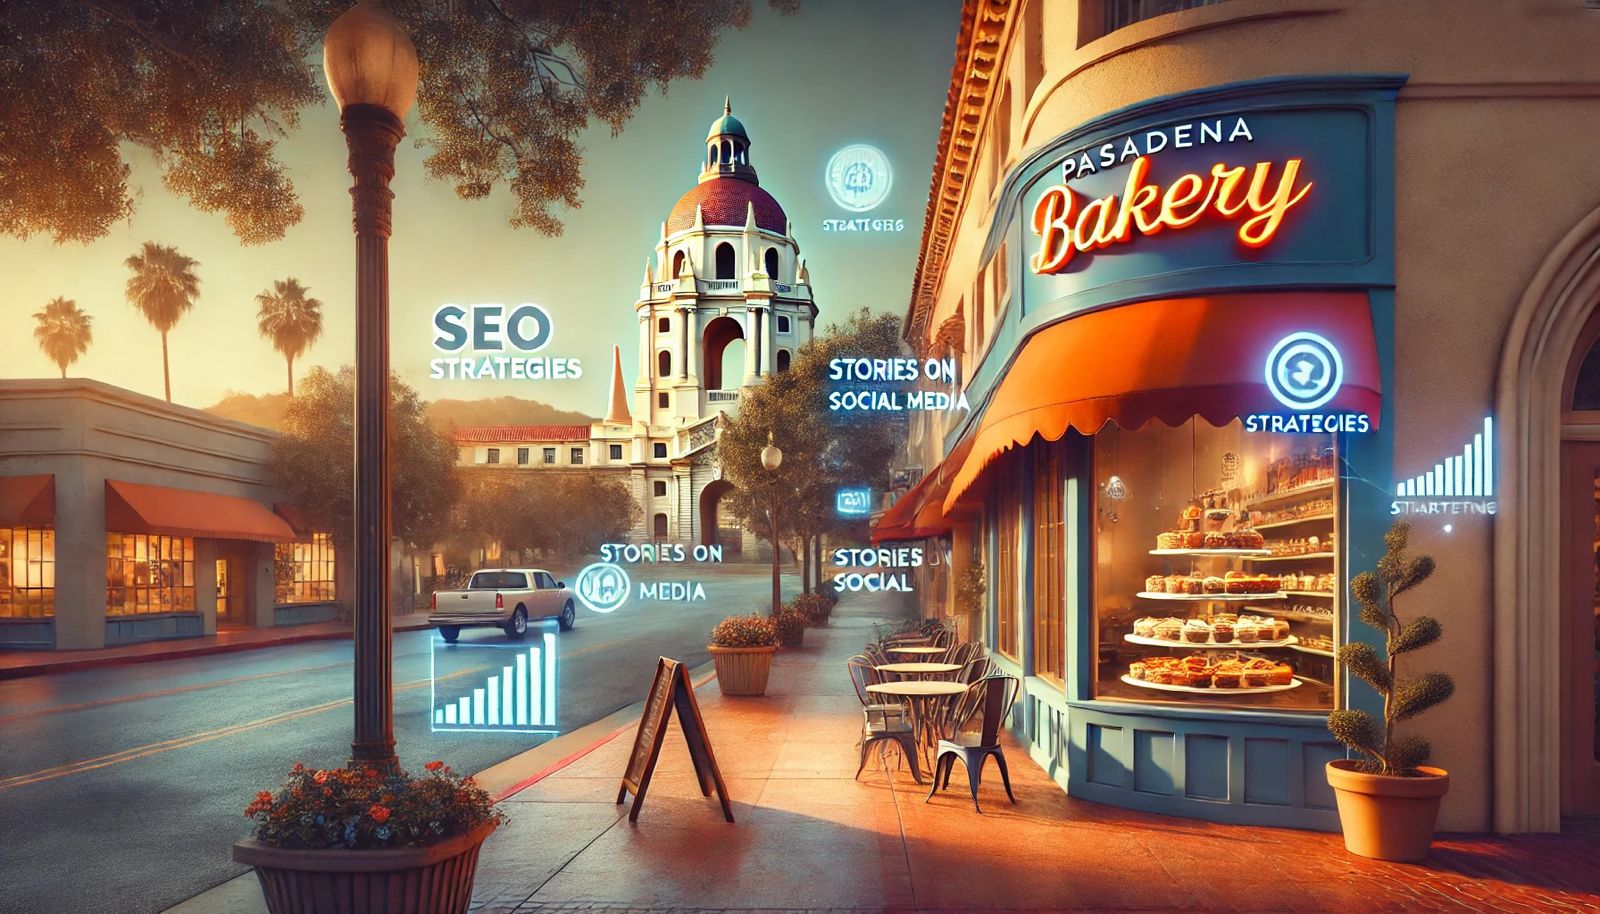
(362, 842)
(791, 625)
(1388, 799)
(814, 606)
(741, 648)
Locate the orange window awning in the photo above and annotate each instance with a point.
(920, 513)
(138, 508)
(27, 501)
(1171, 360)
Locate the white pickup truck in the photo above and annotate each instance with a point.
(503, 597)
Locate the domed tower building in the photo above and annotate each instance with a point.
(726, 300)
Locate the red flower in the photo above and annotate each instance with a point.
(320, 777)
(379, 814)
(434, 766)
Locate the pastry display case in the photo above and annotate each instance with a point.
(1215, 564)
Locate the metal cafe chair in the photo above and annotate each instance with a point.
(881, 724)
(963, 653)
(975, 669)
(986, 703)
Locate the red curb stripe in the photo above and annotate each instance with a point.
(553, 767)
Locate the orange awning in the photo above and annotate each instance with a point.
(27, 501)
(1170, 359)
(920, 513)
(137, 508)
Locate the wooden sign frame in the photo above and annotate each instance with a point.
(671, 689)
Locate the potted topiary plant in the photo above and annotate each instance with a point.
(791, 625)
(1388, 799)
(741, 648)
(356, 841)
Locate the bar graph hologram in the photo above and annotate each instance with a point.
(1469, 474)
(494, 687)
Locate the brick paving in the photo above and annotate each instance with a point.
(811, 839)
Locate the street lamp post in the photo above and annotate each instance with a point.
(371, 67)
(771, 458)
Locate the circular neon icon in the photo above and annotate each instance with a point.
(603, 587)
(1304, 371)
(859, 177)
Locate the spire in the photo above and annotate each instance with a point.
(699, 219)
(647, 279)
(727, 104)
(750, 215)
(617, 412)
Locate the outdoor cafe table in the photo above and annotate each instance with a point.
(918, 669)
(919, 693)
(915, 650)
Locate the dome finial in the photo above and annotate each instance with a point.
(727, 104)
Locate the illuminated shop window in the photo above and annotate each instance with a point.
(1216, 570)
(148, 574)
(27, 572)
(305, 571)
(616, 452)
(1049, 560)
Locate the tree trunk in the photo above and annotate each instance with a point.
(805, 564)
(776, 541)
(290, 360)
(166, 373)
(63, 370)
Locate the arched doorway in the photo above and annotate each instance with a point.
(783, 360)
(658, 527)
(1580, 576)
(718, 368)
(1540, 560)
(710, 518)
(725, 262)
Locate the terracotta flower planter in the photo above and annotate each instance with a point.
(436, 879)
(1387, 817)
(742, 670)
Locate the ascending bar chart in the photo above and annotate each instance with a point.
(508, 687)
(1469, 474)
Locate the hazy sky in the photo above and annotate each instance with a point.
(838, 72)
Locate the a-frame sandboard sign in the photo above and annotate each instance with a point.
(671, 689)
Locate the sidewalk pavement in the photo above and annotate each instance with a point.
(17, 664)
(809, 837)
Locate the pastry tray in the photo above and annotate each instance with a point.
(1243, 552)
(1209, 690)
(1210, 597)
(1234, 645)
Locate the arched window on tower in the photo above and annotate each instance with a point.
(659, 527)
(725, 261)
(771, 263)
(783, 360)
(663, 364)
(677, 263)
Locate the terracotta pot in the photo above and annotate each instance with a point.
(742, 670)
(436, 879)
(1387, 817)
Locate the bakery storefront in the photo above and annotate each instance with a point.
(1179, 444)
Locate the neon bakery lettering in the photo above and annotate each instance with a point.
(1064, 228)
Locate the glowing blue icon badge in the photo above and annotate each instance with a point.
(853, 502)
(1304, 371)
(859, 177)
(603, 587)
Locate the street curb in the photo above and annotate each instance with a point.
(501, 780)
(51, 667)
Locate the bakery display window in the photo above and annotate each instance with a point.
(1215, 563)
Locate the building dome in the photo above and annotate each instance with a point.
(727, 125)
(724, 201)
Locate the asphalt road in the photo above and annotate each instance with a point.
(122, 789)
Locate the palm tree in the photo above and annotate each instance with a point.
(163, 287)
(290, 319)
(63, 332)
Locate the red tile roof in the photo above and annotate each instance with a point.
(723, 201)
(494, 434)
